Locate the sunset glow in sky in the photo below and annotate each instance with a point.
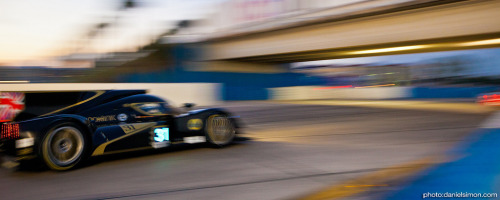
(34, 29)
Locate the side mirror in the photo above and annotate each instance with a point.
(189, 105)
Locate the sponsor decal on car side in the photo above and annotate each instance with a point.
(194, 124)
(11, 103)
(122, 117)
(105, 118)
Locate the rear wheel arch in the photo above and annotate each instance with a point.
(82, 125)
(51, 137)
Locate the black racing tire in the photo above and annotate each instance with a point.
(219, 130)
(64, 146)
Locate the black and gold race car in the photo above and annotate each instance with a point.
(62, 129)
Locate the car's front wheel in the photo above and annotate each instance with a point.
(219, 130)
(63, 146)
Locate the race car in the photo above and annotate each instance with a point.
(62, 129)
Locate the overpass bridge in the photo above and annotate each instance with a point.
(364, 28)
(251, 57)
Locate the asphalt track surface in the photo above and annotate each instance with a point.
(286, 151)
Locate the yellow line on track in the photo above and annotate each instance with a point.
(379, 178)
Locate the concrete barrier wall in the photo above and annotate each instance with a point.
(203, 94)
(206, 94)
(312, 92)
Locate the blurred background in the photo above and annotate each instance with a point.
(344, 88)
(250, 46)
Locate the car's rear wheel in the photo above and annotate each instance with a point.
(63, 146)
(219, 130)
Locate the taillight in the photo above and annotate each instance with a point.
(9, 131)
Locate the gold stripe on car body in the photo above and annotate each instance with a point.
(98, 93)
(127, 150)
(129, 129)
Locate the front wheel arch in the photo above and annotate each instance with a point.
(219, 129)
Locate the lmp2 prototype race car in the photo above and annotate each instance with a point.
(62, 129)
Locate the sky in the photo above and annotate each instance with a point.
(36, 29)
